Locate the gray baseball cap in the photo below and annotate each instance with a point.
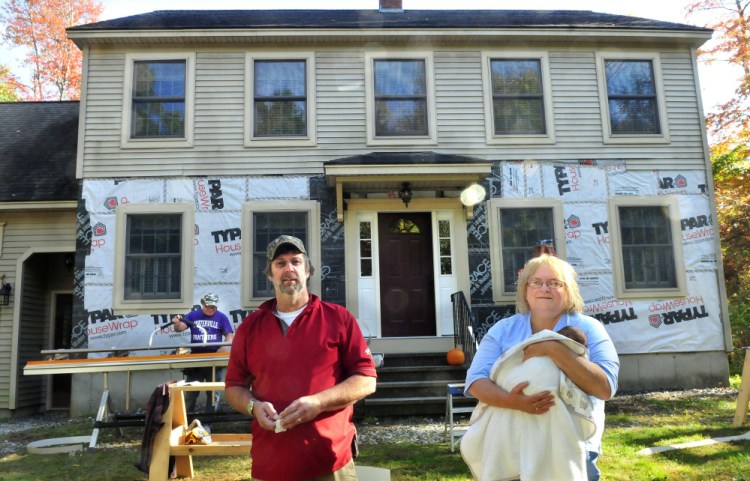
(274, 245)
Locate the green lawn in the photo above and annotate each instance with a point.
(633, 423)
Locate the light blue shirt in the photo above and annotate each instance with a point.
(506, 333)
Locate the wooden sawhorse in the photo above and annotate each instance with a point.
(740, 415)
(170, 440)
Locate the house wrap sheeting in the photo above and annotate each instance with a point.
(637, 326)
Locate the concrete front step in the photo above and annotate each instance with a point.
(443, 373)
(412, 389)
(413, 384)
(408, 406)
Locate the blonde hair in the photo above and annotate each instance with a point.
(563, 270)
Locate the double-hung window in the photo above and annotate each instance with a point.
(281, 100)
(154, 257)
(517, 98)
(646, 247)
(632, 98)
(159, 100)
(400, 99)
(265, 221)
(516, 227)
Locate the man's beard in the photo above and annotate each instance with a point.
(292, 288)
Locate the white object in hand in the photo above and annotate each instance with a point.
(279, 428)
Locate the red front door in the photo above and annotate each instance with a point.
(407, 292)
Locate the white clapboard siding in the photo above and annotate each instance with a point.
(341, 124)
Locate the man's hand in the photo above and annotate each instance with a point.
(266, 415)
(300, 411)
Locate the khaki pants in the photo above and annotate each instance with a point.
(347, 473)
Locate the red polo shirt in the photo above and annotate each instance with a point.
(321, 348)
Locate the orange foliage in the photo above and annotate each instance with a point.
(54, 61)
(729, 126)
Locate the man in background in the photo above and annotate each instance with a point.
(215, 325)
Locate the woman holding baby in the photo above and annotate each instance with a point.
(547, 300)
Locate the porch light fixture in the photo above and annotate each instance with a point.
(472, 195)
(405, 193)
(5, 289)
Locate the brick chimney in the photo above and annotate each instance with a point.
(391, 6)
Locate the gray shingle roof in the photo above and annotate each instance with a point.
(38, 142)
(374, 19)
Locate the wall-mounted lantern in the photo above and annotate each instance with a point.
(405, 193)
(5, 289)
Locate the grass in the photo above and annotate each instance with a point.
(633, 423)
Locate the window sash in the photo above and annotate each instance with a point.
(520, 230)
(280, 98)
(517, 96)
(158, 99)
(647, 247)
(266, 227)
(153, 257)
(400, 94)
(631, 96)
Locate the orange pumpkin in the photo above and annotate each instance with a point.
(456, 357)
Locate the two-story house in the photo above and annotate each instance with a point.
(418, 154)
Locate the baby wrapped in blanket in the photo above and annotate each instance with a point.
(506, 444)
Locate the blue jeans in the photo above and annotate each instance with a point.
(591, 469)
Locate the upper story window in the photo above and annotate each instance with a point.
(281, 101)
(154, 258)
(158, 97)
(646, 247)
(516, 227)
(518, 106)
(517, 99)
(400, 99)
(632, 98)
(631, 94)
(280, 98)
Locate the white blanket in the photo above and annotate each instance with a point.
(504, 444)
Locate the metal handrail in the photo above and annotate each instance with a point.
(463, 326)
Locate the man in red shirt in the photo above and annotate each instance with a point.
(298, 365)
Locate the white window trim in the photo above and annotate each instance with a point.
(489, 114)
(431, 137)
(499, 294)
(313, 243)
(2, 237)
(126, 141)
(607, 136)
(308, 140)
(155, 306)
(618, 272)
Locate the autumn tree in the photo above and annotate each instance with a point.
(53, 60)
(9, 85)
(729, 125)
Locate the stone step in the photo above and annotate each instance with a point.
(421, 373)
(415, 359)
(408, 406)
(408, 389)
